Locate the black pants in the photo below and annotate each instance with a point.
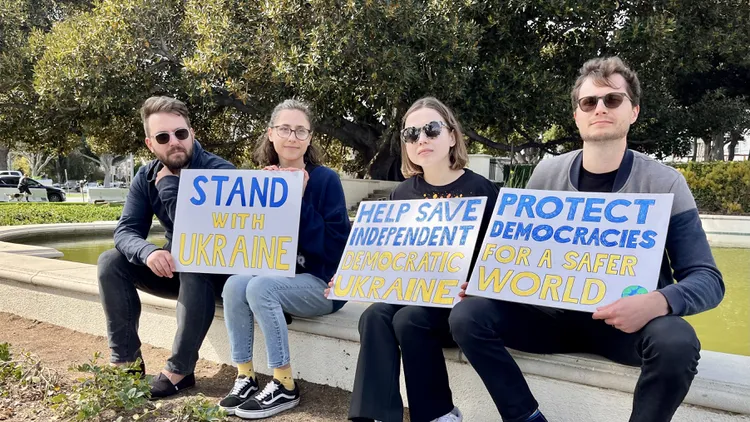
(666, 349)
(196, 296)
(416, 333)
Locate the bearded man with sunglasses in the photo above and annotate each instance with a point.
(136, 263)
(645, 330)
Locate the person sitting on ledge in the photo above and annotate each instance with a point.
(644, 330)
(136, 263)
(286, 145)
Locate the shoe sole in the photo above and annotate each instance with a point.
(260, 414)
(229, 410)
(152, 398)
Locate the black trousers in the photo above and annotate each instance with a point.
(196, 296)
(389, 333)
(666, 350)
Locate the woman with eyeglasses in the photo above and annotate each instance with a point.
(433, 158)
(324, 228)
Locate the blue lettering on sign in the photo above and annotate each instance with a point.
(199, 190)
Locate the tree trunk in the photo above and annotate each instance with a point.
(717, 147)
(4, 150)
(734, 139)
(707, 148)
(60, 168)
(106, 163)
(695, 150)
(386, 165)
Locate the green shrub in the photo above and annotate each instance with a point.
(517, 175)
(13, 214)
(719, 187)
(108, 388)
(199, 409)
(26, 373)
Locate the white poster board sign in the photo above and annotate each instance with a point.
(415, 252)
(571, 250)
(237, 222)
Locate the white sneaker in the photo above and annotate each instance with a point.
(454, 416)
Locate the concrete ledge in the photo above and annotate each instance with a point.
(569, 387)
(730, 231)
(33, 231)
(40, 251)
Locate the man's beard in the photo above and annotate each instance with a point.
(615, 135)
(174, 163)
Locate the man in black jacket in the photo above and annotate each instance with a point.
(136, 263)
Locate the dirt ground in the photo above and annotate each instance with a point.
(59, 348)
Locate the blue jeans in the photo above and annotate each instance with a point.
(266, 298)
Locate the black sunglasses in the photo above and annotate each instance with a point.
(432, 130)
(611, 100)
(163, 137)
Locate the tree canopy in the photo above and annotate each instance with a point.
(73, 70)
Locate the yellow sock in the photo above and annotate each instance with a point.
(285, 377)
(245, 369)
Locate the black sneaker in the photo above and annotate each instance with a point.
(243, 389)
(162, 387)
(272, 400)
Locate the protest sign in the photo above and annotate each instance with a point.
(571, 250)
(237, 222)
(415, 252)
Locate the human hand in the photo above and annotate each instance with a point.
(161, 263)
(462, 293)
(632, 313)
(164, 172)
(328, 290)
(305, 177)
(274, 167)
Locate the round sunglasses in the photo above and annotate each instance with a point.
(164, 137)
(611, 100)
(410, 135)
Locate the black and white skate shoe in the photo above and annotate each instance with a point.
(243, 390)
(272, 400)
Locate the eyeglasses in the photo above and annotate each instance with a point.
(164, 137)
(611, 100)
(300, 133)
(410, 135)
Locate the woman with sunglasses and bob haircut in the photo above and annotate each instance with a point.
(433, 158)
(324, 228)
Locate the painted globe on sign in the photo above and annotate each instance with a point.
(634, 290)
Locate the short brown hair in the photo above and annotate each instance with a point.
(162, 104)
(459, 156)
(266, 155)
(601, 69)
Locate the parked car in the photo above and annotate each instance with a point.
(10, 173)
(53, 194)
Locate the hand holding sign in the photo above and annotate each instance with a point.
(305, 179)
(631, 313)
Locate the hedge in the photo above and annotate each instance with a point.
(719, 187)
(13, 214)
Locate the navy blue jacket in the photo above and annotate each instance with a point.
(145, 199)
(323, 227)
